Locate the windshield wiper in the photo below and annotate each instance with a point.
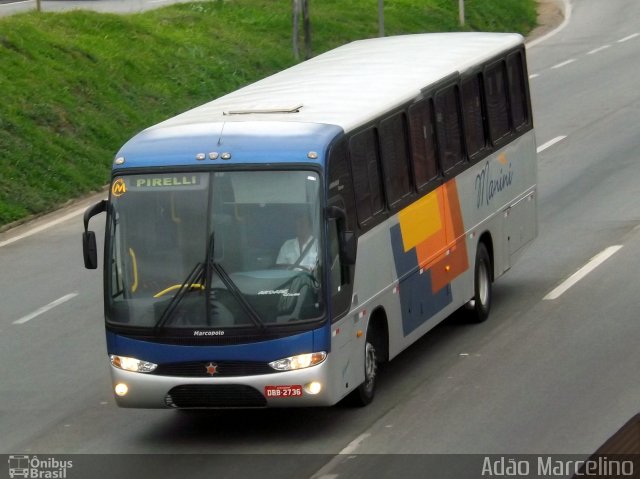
(196, 274)
(230, 285)
(202, 273)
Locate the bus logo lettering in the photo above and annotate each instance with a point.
(118, 188)
(488, 185)
(217, 332)
(282, 292)
(166, 182)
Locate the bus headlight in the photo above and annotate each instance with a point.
(300, 361)
(132, 364)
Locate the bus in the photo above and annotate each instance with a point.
(273, 247)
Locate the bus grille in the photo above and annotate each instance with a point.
(222, 368)
(214, 396)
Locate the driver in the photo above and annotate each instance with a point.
(301, 250)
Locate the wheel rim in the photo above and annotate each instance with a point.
(483, 284)
(369, 367)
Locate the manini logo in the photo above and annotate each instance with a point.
(490, 182)
(118, 188)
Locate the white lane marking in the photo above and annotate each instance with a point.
(353, 445)
(625, 39)
(46, 308)
(43, 227)
(565, 63)
(593, 263)
(599, 49)
(549, 143)
(534, 75)
(325, 472)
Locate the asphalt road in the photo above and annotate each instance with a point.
(541, 376)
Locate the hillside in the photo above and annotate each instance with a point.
(75, 86)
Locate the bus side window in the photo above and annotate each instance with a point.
(497, 101)
(340, 183)
(423, 143)
(448, 128)
(472, 113)
(338, 279)
(341, 195)
(519, 104)
(367, 181)
(395, 158)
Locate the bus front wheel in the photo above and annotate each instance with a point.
(364, 393)
(480, 305)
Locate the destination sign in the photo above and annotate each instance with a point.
(165, 182)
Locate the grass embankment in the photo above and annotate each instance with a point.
(75, 86)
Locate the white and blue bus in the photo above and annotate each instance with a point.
(272, 247)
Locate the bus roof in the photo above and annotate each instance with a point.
(351, 84)
(344, 88)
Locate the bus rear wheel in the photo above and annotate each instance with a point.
(480, 305)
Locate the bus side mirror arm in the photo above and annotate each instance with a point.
(89, 247)
(346, 238)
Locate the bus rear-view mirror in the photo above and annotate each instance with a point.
(89, 250)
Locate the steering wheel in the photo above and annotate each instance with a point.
(177, 286)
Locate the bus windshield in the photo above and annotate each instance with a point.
(214, 249)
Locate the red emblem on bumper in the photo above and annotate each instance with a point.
(212, 369)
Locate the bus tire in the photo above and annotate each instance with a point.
(479, 307)
(365, 393)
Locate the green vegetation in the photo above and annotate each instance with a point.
(75, 86)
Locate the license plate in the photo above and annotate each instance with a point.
(283, 391)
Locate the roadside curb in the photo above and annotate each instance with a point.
(33, 224)
(565, 10)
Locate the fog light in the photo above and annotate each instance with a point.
(313, 388)
(121, 389)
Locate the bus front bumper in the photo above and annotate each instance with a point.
(300, 388)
